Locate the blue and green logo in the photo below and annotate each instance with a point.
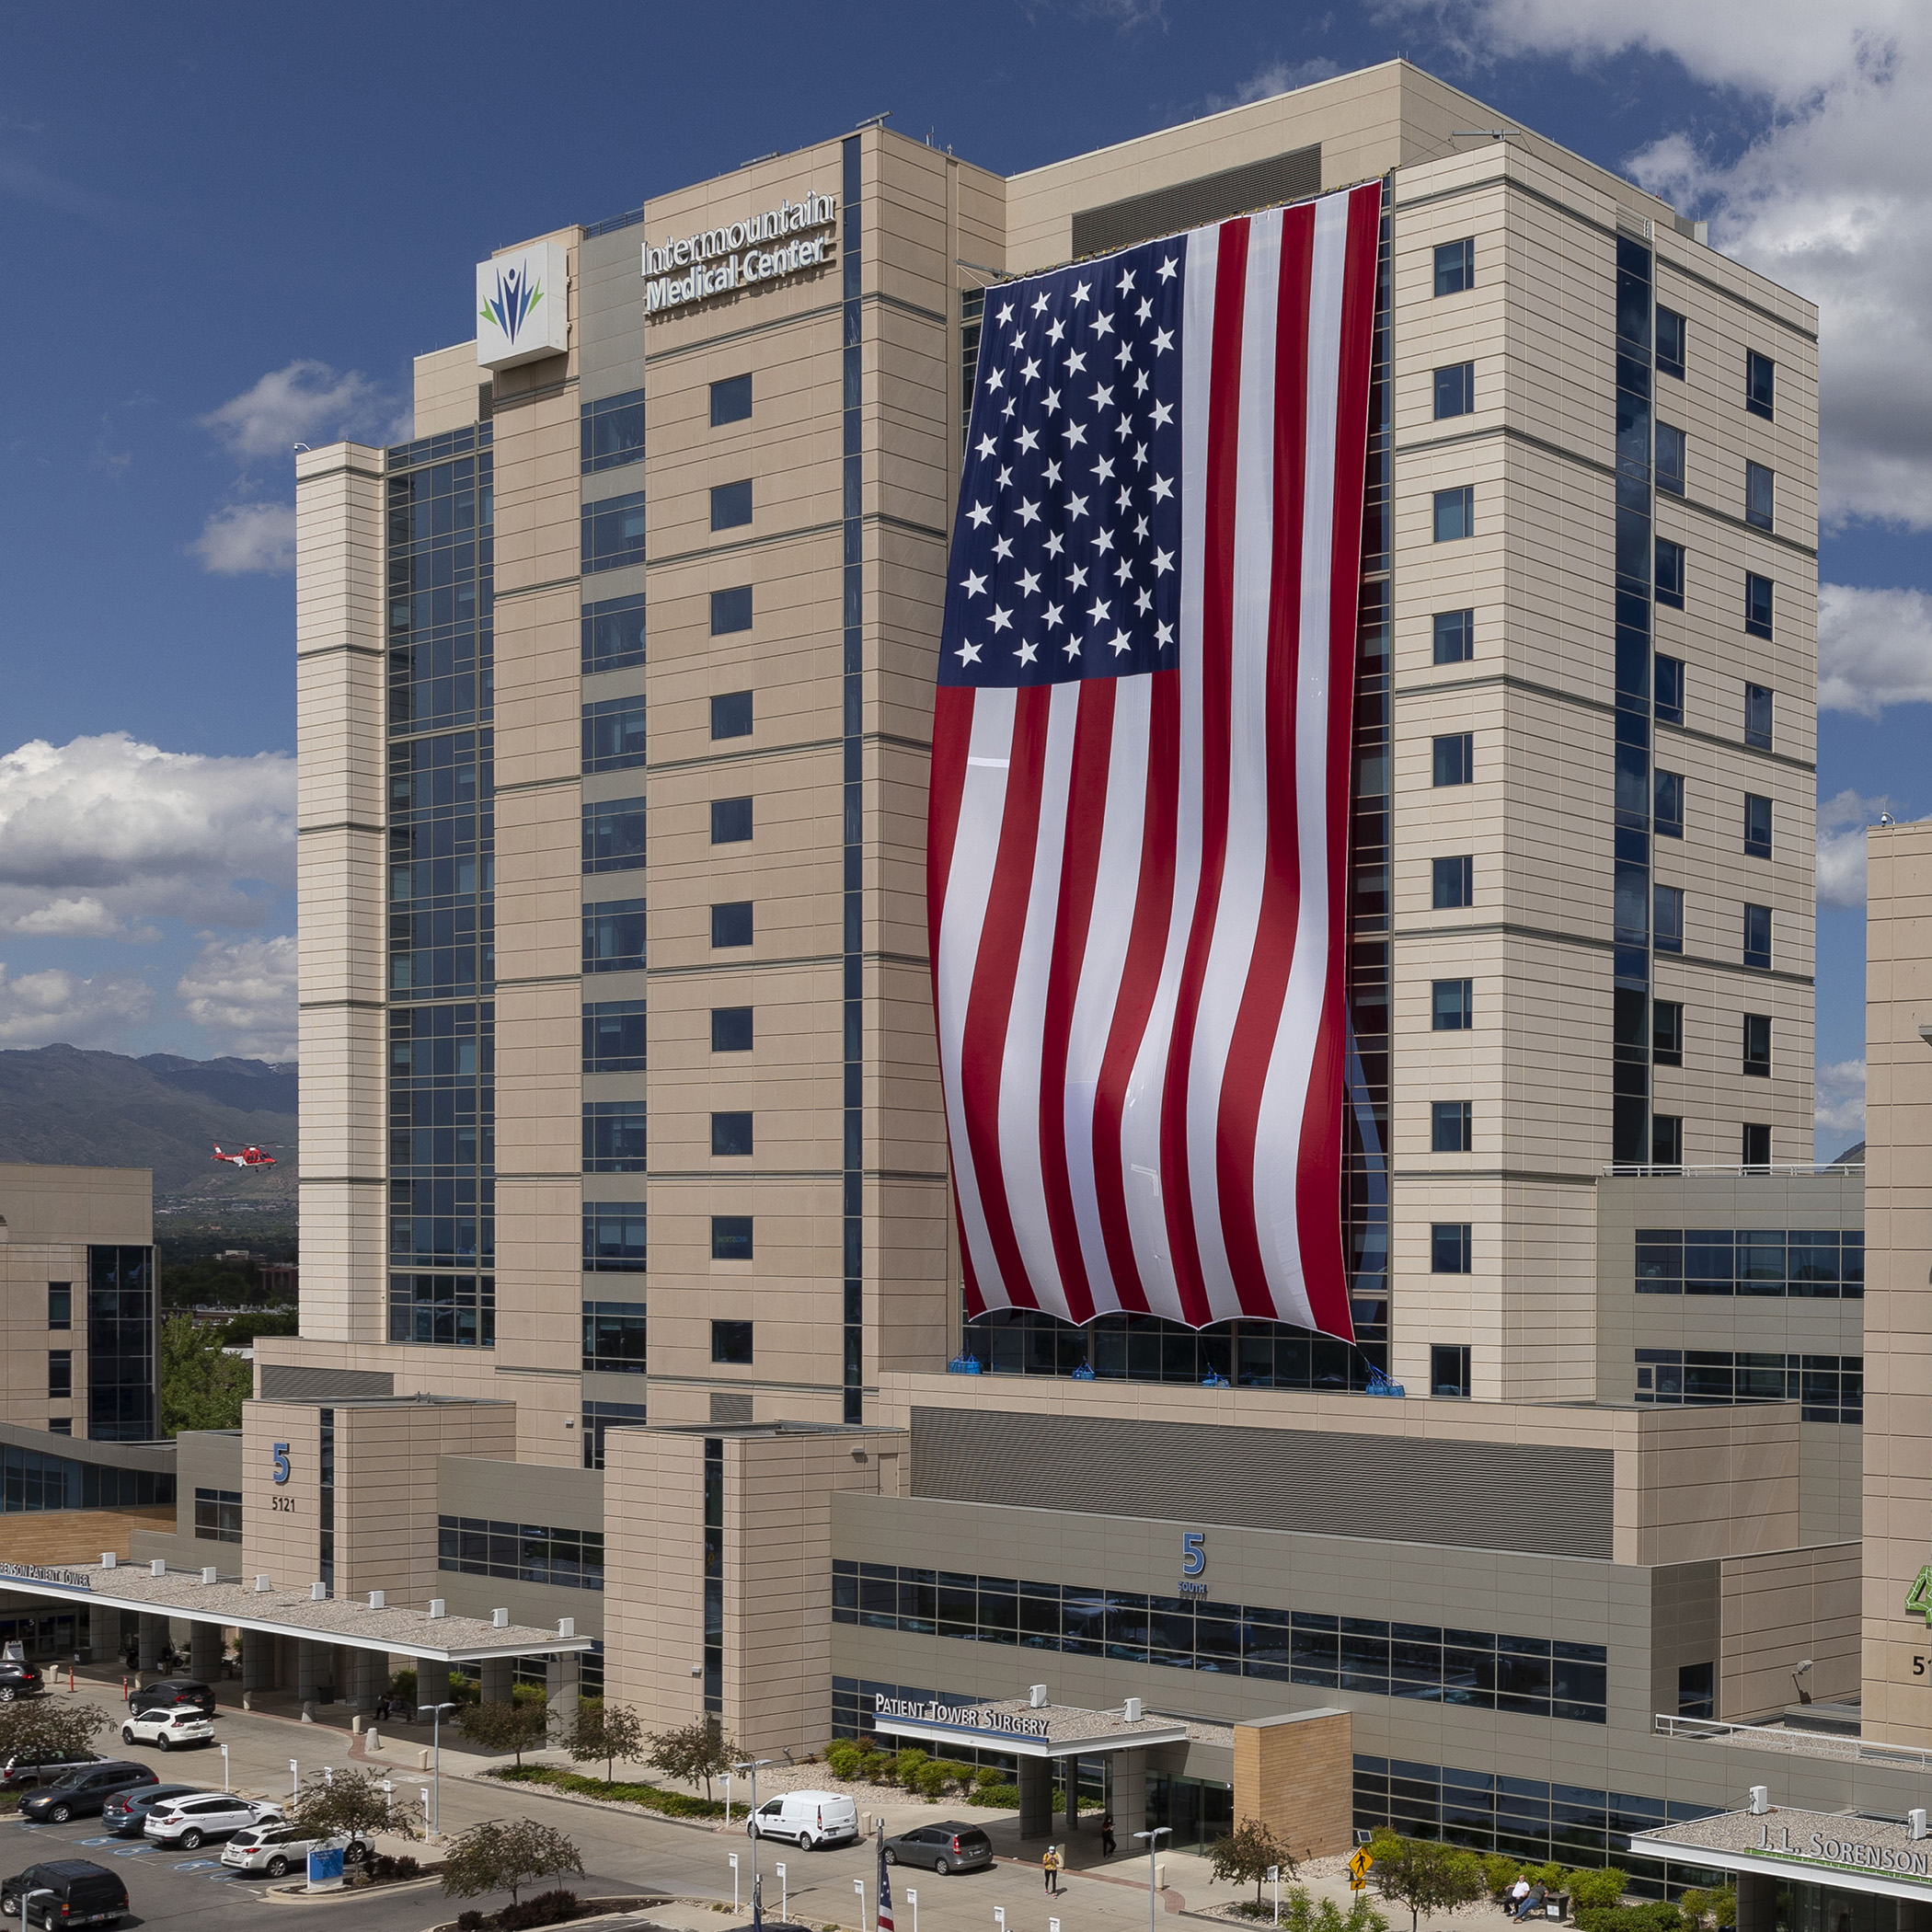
(516, 298)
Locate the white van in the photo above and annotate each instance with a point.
(807, 1818)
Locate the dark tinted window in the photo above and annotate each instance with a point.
(59, 1304)
(1670, 804)
(732, 1342)
(614, 734)
(612, 634)
(1669, 459)
(1757, 605)
(1455, 390)
(731, 923)
(1757, 825)
(1453, 881)
(614, 431)
(1757, 717)
(1760, 495)
(730, 1238)
(1667, 1032)
(731, 401)
(613, 936)
(1669, 572)
(730, 1030)
(1757, 936)
(1451, 1006)
(1449, 1247)
(611, 534)
(1450, 1127)
(732, 715)
(1668, 675)
(1670, 342)
(731, 1133)
(1760, 384)
(1454, 266)
(613, 836)
(1454, 758)
(1667, 912)
(730, 504)
(731, 820)
(1454, 514)
(730, 610)
(1454, 636)
(1757, 1043)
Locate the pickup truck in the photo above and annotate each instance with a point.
(19, 1774)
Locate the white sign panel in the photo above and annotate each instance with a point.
(523, 305)
(766, 247)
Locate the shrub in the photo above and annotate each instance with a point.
(907, 1765)
(1499, 1871)
(987, 1776)
(961, 1775)
(1717, 1906)
(999, 1797)
(673, 1805)
(930, 1781)
(402, 1687)
(1657, 1917)
(844, 1758)
(1594, 1886)
(547, 1908)
(470, 1921)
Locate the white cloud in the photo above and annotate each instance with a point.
(247, 537)
(1874, 648)
(1839, 1107)
(101, 831)
(1842, 820)
(243, 992)
(39, 1008)
(305, 402)
(1829, 200)
(1277, 78)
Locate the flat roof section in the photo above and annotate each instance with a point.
(290, 1613)
(1854, 1854)
(1026, 1729)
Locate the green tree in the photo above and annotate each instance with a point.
(37, 1731)
(504, 1727)
(504, 1854)
(351, 1804)
(200, 1387)
(1603, 1885)
(1246, 1853)
(605, 1731)
(1425, 1876)
(1714, 1906)
(694, 1751)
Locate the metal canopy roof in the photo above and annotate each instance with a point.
(1026, 1729)
(1843, 1850)
(291, 1613)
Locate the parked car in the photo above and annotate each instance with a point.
(171, 1694)
(74, 1891)
(126, 1812)
(18, 1773)
(944, 1847)
(84, 1793)
(278, 1848)
(165, 1729)
(18, 1680)
(807, 1818)
(192, 1820)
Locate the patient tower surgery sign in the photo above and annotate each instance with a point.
(766, 247)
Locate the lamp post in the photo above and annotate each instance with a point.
(1153, 1837)
(752, 1764)
(436, 1711)
(39, 1892)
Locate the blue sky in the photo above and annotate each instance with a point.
(249, 220)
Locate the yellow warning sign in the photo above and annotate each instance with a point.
(1359, 1868)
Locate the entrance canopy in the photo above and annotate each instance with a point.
(1850, 1853)
(1025, 1728)
(352, 1622)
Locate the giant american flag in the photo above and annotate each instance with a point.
(1138, 838)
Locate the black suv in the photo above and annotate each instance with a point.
(74, 1892)
(18, 1680)
(83, 1793)
(173, 1694)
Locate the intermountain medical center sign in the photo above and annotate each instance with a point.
(785, 240)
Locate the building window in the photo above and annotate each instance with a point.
(60, 1374)
(730, 1030)
(731, 820)
(614, 936)
(1757, 825)
(1449, 1126)
(1697, 1690)
(1667, 917)
(1453, 882)
(731, 401)
(613, 836)
(1757, 1044)
(1757, 717)
(1760, 384)
(732, 505)
(730, 610)
(1670, 573)
(731, 923)
(1666, 1140)
(1668, 685)
(1757, 1145)
(612, 634)
(1449, 1247)
(712, 1665)
(1454, 636)
(1667, 1032)
(1757, 605)
(1451, 1006)
(1831, 1388)
(613, 431)
(598, 1416)
(59, 1304)
(1454, 758)
(614, 1137)
(449, 1311)
(60, 1425)
(1455, 390)
(732, 715)
(614, 1237)
(732, 1344)
(1670, 335)
(614, 734)
(613, 1036)
(730, 1238)
(1670, 460)
(731, 1133)
(520, 1552)
(1811, 1264)
(1454, 266)
(1758, 937)
(218, 1516)
(1449, 1369)
(121, 1344)
(1454, 514)
(1760, 489)
(611, 534)
(613, 1338)
(1670, 804)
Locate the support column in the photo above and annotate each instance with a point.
(308, 1670)
(368, 1678)
(258, 1661)
(153, 1628)
(497, 1680)
(1036, 1798)
(205, 1651)
(1129, 1795)
(1070, 1771)
(1757, 1902)
(561, 1677)
(432, 1685)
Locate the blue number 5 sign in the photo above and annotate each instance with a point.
(1193, 1553)
(281, 1462)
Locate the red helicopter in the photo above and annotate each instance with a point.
(250, 1156)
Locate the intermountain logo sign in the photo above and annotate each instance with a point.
(768, 246)
(523, 305)
(516, 296)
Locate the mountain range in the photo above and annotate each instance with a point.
(78, 1106)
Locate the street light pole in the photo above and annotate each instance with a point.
(752, 1764)
(436, 1711)
(1153, 1838)
(39, 1892)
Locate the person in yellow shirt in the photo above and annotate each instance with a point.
(1050, 1869)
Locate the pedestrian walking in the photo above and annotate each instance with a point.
(1106, 1837)
(1049, 1871)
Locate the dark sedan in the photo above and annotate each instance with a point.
(84, 1793)
(125, 1813)
(171, 1694)
(948, 1846)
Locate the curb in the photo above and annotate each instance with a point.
(301, 1895)
(610, 1807)
(615, 1908)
